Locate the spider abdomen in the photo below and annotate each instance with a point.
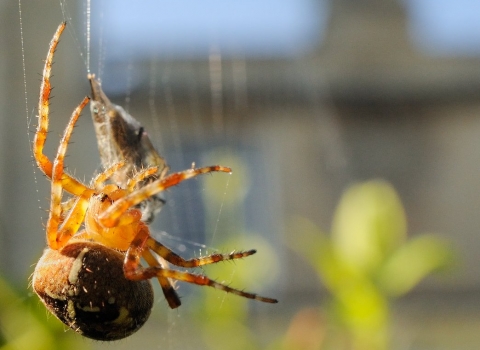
(83, 285)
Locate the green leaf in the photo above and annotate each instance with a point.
(368, 225)
(416, 259)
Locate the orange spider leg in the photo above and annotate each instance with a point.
(57, 236)
(68, 204)
(107, 174)
(176, 259)
(113, 215)
(140, 176)
(68, 183)
(134, 271)
(167, 285)
(70, 225)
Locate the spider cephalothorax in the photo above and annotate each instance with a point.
(91, 276)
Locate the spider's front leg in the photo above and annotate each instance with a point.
(134, 271)
(69, 183)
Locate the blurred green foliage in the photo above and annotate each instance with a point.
(26, 324)
(365, 262)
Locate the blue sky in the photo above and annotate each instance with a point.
(445, 27)
(191, 28)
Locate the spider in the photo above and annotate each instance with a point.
(120, 137)
(92, 277)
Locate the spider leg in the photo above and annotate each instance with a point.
(68, 183)
(70, 224)
(176, 259)
(58, 234)
(140, 176)
(67, 206)
(112, 216)
(167, 286)
(134, 271)
(107, 174)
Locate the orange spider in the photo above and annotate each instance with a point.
(92, 279)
